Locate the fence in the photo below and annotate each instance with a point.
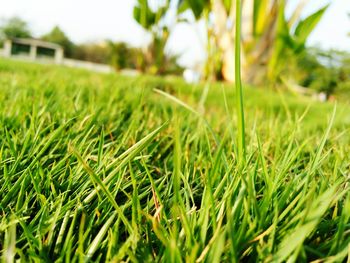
(87, 65)
(102, 68)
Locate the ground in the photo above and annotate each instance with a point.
(108, 168)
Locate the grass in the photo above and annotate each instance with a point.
(241, 146)
(109, 168)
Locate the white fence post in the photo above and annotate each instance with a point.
(59, 56)
(7, 48)
(32, 52)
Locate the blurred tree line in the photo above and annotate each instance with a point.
(274, 47)
(273, 44)
(118, 54)
(324, 71)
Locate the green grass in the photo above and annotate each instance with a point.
(109, 168)
(241, 146)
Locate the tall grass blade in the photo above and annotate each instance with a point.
(239, 90)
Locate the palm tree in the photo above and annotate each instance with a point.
(266, 34)
(153, 22)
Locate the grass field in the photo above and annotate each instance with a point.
(111, 168)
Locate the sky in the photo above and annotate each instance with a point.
(91, 20)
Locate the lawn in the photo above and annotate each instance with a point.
(113, 168)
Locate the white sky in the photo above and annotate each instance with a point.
(91, 20)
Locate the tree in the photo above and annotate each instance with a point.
(152, 19)
(122, 56)
(93, 52)
(15, 27)
(56, 35)
(201, 10)
(267, 35)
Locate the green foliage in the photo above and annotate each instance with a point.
(14, 27)
(56, 35)
(148, 18)
(155, 60)
(284, 41)
(144, 15)
(323, 71)
(122, 56)
(101, 168)
(259, 16)
(94, 52)
(267, 36)
(307, 25)
(197, 7)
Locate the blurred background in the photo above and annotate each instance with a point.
(303, 45)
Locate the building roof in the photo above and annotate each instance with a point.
(35, 42)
